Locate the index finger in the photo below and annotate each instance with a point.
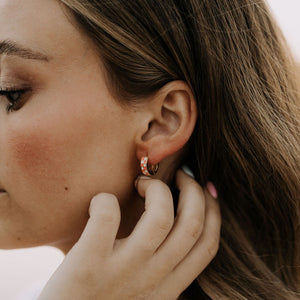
(156, 221)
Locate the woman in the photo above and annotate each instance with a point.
(205, 83)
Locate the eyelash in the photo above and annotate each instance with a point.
(14, 104)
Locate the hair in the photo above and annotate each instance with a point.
(246, 140)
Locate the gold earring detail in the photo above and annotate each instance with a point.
(148, 170)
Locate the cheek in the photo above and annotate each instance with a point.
(37, 158)
(41, 171)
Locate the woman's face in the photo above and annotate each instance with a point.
(66, 139)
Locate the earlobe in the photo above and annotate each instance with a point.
(173, 115)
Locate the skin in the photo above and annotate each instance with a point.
(160, 258)
(67, 141)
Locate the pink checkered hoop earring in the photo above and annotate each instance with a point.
(148, 170)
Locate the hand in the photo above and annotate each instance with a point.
(159, 259)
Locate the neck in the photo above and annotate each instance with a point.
(131, 211)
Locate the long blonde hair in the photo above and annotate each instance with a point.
(246, 139)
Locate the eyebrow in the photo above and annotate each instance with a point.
(12, 48)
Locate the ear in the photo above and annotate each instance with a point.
(169, 120)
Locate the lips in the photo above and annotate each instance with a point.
(2, 191)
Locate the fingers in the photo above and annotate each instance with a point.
(203, 251)
(160, 257)
(188, 224)
(157, 220)
(102, 226)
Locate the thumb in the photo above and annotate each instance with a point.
(102, 227)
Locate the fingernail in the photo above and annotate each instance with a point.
(139, 178)
(187, 171)
(212, 190)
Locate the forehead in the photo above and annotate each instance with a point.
(42, 25)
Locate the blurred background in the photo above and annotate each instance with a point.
(287, 15)
(23, 271)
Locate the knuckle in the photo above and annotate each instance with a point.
(108, 218)
(86, 277)
(194, 227)
(159, 230)
(164, 223)
(213, 245)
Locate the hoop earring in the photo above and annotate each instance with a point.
(148, 170)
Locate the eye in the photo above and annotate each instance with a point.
(15, 98)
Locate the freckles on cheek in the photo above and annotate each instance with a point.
(37, 160)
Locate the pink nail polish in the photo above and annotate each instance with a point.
(212, 190)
